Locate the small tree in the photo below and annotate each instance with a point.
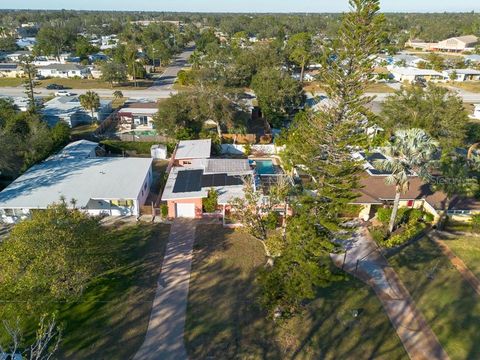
(210, 203)
(47, 339)
(29, 69)
(453, 75)
(113, 72)
(117, 95)
(90, 101)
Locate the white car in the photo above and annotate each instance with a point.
(63, 93)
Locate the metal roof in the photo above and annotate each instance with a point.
(193, 149)
(71, 175)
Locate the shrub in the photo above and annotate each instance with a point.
(210, 203)
(476, 222)
(383, 215)
(428, 217)
(164, 210)
(411, 231)
(378, 234)
(275, 245)
(247, 149)
(271, 220)
(414, 215)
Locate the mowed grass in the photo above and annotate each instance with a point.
(472, 86)
(111, 318)
(466, 248)
(224, 320)
(4, 81)
(448, 303)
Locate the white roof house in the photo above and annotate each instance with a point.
(69, 110)
(99, 185)
(463, 74)
(193, 149)
(63, 71)
(412, 74)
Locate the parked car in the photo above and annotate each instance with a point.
(55, 87)
(63, 93)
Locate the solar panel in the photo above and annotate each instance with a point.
(188, 181)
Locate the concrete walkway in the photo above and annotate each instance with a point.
(164, 338)
(364, 260)
(458, 263)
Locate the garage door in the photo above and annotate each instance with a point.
(185, 210)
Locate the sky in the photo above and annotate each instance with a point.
(243, 5)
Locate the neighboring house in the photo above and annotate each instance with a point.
(69, 110)
(17, 55)
(137, 115)
(420, 44)
(26, 43)
(63, 71)
(406, 59)
(476, 111)
(411, 74)
(463, 74)
(472, 59)
(375, 193)
(458, 44)
(196, 173)
(10, 70)
(112, 186)
(97, 57)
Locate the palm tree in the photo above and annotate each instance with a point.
(410, 153)
(117, 95)
(90, 101)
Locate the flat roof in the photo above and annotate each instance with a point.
(193, 149)
(414, 71)
(71, 175)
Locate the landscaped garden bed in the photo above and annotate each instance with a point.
(411, 223)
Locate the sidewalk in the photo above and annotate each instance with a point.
(365, 261)
(164, 338)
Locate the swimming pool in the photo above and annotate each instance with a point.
(265, 167)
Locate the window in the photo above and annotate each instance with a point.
(143, 120)
(145, 186)
(410, 203)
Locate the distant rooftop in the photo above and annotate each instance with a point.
(193, 149)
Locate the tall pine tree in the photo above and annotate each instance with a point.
(322, 142)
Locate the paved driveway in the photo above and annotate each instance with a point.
(164, 338)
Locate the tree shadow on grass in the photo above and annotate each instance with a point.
(449, 304)
(111, 318)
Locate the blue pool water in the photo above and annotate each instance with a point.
(265, 167)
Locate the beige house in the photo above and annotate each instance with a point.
(10, 70)
(458, 44)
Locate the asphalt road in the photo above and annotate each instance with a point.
(162, 87)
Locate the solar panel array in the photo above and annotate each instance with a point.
(188, 181)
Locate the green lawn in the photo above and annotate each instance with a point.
(83, 131)
(472, 86)
(468, 249)
(449, 304)
(111, 318)
(223, 320)
(10, 81)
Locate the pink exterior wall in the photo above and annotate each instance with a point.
(198, 206)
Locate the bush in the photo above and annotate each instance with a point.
(428, 217)
(247, 149)
(118, 147)
(271, 220)
(164, 210)
(476, 222)
(378, 234)
(210, 203)
(410, 232)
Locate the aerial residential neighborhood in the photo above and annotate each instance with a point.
(240, 180)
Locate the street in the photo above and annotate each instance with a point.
(162, 86)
